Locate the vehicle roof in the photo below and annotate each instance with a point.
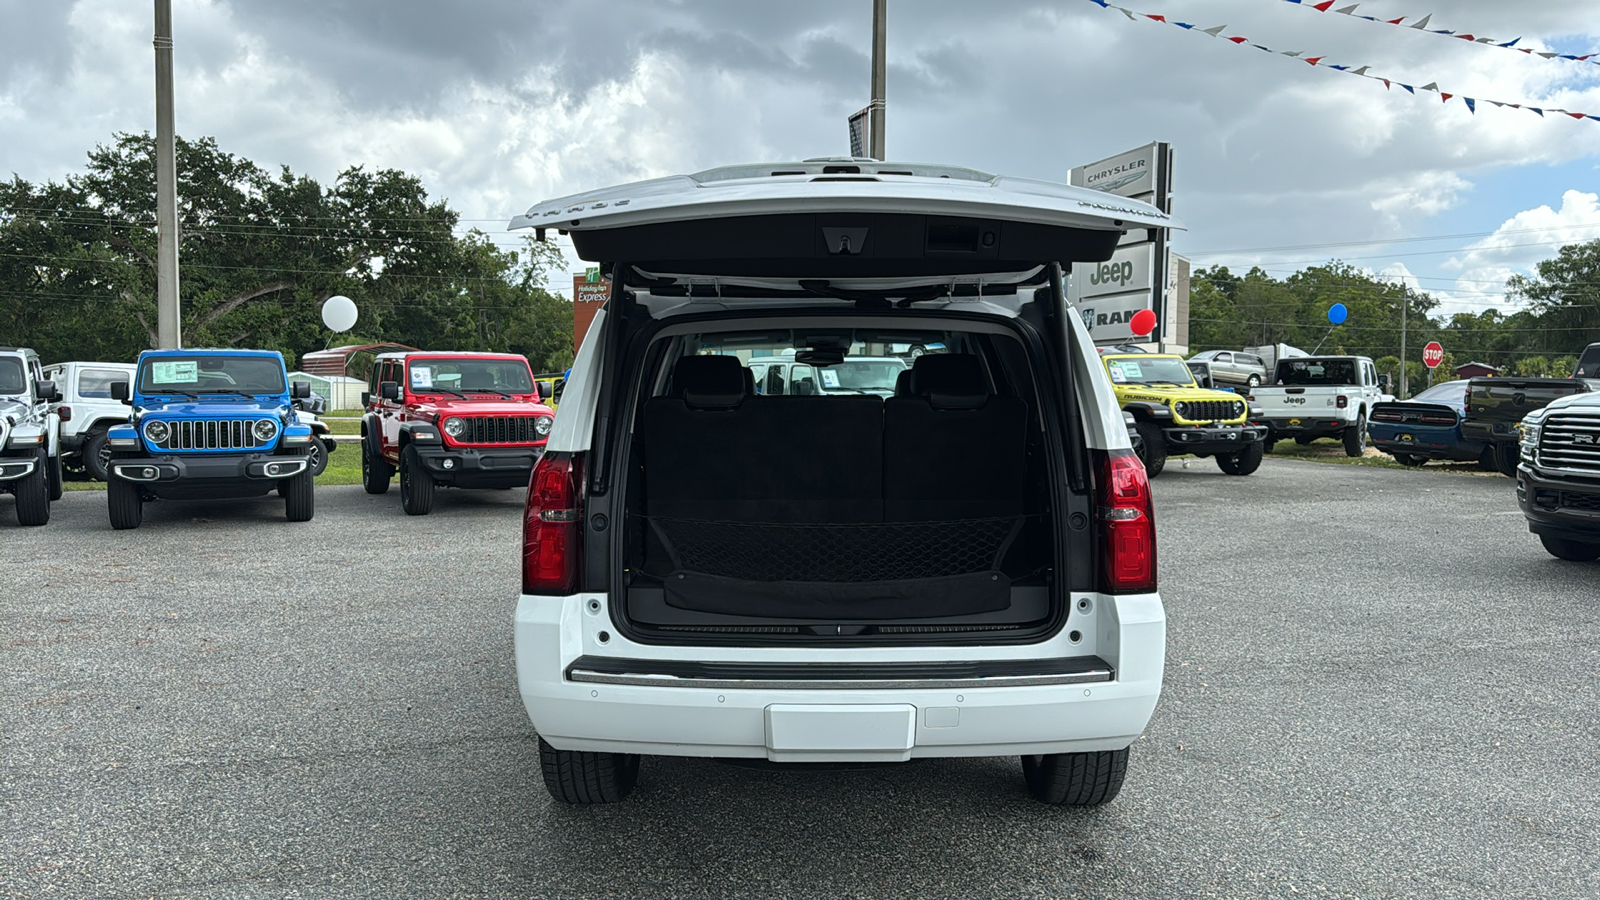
(210, 351)
(453, 354)
(1142, 356)
(103, 365)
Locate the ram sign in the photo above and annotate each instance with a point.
(1107, 294)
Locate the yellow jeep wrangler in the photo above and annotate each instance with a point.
(1174, 415)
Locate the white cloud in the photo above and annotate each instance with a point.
(1518, 245)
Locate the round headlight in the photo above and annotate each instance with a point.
(1181, 408)
(266, 429)
(454, 427)
(157, 432)
(1238, 408)
(542, 425)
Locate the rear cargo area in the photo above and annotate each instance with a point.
(921, 508)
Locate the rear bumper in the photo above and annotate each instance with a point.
(1559, 507)
(561, 669)
(1306, 426)
(1421, 440)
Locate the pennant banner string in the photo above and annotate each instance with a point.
(1219, 31)
(1422, 25)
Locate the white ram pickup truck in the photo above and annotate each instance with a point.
(1320, 396)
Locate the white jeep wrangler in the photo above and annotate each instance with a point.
(30, 464)
(90, 411)
(964, 568)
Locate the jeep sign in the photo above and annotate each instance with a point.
(1128, 269)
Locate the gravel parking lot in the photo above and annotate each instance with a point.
(1378, 685)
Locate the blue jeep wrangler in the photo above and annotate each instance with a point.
(209, 424)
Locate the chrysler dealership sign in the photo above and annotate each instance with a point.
(1107, 294)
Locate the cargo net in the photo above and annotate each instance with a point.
(868, 552)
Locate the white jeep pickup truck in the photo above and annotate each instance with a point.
(86, 395)
(1320, 396)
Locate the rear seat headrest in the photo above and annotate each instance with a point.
(950, 381)
(709, 382)
(902, 384)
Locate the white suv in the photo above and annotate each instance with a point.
(965, 568)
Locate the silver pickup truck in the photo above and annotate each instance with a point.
(1320, 396)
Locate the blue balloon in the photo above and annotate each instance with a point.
(1337, 314)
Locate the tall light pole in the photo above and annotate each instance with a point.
(880, 28)
(168, 333)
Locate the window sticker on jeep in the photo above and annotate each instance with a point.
(183, 371)
(1116, 374)
(422, 376)
(1132, 369)
(830, 378)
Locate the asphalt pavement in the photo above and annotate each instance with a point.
(1378, 685)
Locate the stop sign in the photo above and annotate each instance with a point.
(1433, 354)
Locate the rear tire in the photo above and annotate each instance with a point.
(52, 473)
(1577, 551)
(1506, 457)
(1486, 461)
(1355, 438)
(375, 470)
(96, 455)
(1241, 463)
(125, 503)
(586, 777)
(299, 497)
(318, 456)
(1076, 779)
(416, 484)
(1152, 448)
(33, 494)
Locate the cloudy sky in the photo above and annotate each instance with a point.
(497, 104)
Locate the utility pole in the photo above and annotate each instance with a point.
(880, 28)
(168, 333)
(1405, 371)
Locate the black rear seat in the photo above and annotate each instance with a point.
(778, 506)
(714, 453)
(952, 450)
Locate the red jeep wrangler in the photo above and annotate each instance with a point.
(471, 420)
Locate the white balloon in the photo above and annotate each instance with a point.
(339, 313)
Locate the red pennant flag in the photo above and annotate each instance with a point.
(1161, 19)
(1466, 37)
(1444, 97)
(1322, 7)
(1577, 115)
(1239, 40)
(1397, 21)
(1386, 84)
(1313, 60)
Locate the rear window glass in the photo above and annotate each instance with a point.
(1589, 363)
(1317, 371)
(96, 383)
(838, 363)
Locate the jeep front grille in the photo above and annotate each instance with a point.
(1571, 442)
(500, 430)
(1211, 410)
(212, 434)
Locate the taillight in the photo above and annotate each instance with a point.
(1342, 402)
(551, 535)
(1127, 524)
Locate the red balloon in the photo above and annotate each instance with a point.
(1143, 321)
